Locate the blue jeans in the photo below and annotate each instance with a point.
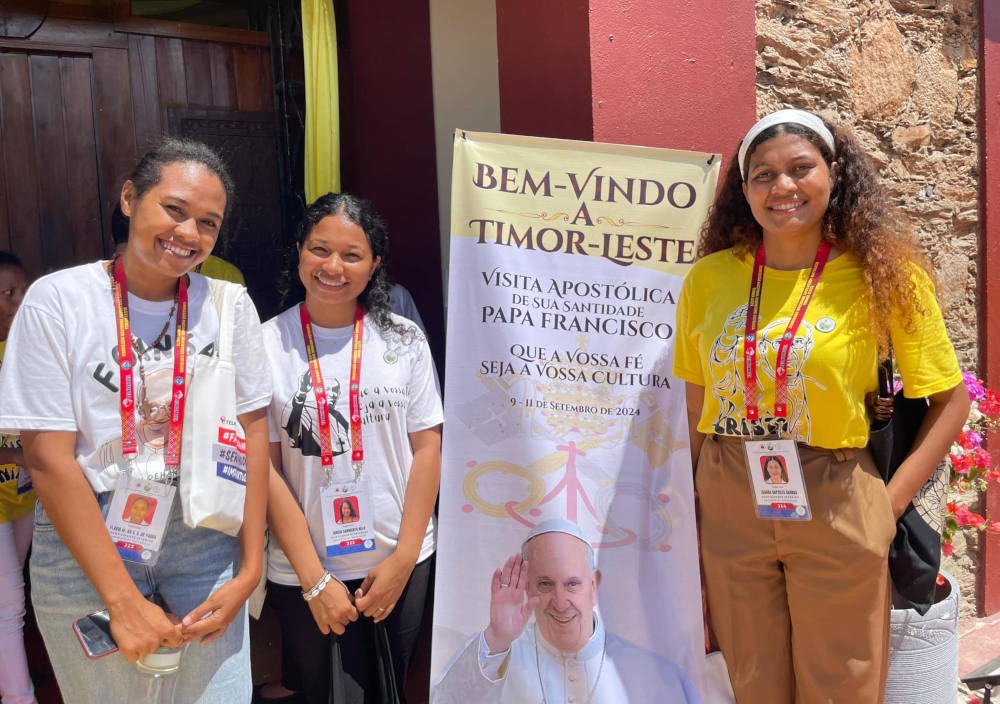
(192, 564)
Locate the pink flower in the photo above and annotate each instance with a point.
(970, 440)
(961, 464)
(965, 518)
(989, 405)
(947, 548)
(973, 385)
(982, 458)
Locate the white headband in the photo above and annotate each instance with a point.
(783, 117)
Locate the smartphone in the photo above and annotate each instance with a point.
(94, 631)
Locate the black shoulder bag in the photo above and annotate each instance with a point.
(915, 552)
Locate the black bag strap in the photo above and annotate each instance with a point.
(387, 673)
(885, 376)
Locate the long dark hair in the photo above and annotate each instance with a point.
(375, 298)
(859, 219)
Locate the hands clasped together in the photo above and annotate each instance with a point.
(140, 627)
(334, 608)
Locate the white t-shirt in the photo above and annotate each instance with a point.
(402, 303)
(60, 371)
(398, 396)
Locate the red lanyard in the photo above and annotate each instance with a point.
(326, 445)
(785, 346)
(126, 363)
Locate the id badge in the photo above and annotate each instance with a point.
(137, 518)
(348, 521)
(779, 487)
(23, 481)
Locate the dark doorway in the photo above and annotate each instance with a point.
(253, 240)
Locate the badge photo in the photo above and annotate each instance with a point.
(345, 509)
(773, 469)
(776, 477)
(348, 520)
(139, 509)
(137, 518)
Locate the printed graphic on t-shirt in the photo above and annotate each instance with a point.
(9, 472)
(154, 382)
(301, 421)
(397, 342)
(726, 368)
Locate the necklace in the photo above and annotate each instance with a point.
(126, 347)
(144, 408)
(166, 325)
(600, 668)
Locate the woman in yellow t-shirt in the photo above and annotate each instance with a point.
(17, 501)
(806, 275)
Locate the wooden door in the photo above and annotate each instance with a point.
(50, 199)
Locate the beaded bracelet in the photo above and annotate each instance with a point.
(318, 587)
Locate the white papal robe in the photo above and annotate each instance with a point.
(534, 672)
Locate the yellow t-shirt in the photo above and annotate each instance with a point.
(17, 498)
(833, 361)
(216, 268)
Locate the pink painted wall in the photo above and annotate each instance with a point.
(543, 47)
(676, 74)
(387, 139)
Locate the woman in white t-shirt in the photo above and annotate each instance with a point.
(98, 433)
(368, 445)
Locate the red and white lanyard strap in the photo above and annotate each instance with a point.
(785, 346)
(322, 409)
(178, 393)
(357, 443)
(126, 363)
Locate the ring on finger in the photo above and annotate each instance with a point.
(380, 609)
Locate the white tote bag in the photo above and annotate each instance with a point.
(213, 449)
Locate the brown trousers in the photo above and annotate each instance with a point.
(800, 608)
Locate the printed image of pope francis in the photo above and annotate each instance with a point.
(564, 655)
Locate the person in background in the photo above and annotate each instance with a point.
(401, 303)
(72, 393)
(213, 267)
(806, 276)
(336, 586)
(17, 501)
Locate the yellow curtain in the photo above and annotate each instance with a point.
(319, 48)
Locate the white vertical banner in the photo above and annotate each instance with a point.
(566, 264)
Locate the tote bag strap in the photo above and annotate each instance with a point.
(225, 294)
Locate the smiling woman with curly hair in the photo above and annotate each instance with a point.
(859, 219)
(806, 277)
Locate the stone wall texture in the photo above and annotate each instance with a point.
(902, 75)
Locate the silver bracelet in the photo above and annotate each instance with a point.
(318, 587)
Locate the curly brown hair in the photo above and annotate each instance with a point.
(859, 219)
